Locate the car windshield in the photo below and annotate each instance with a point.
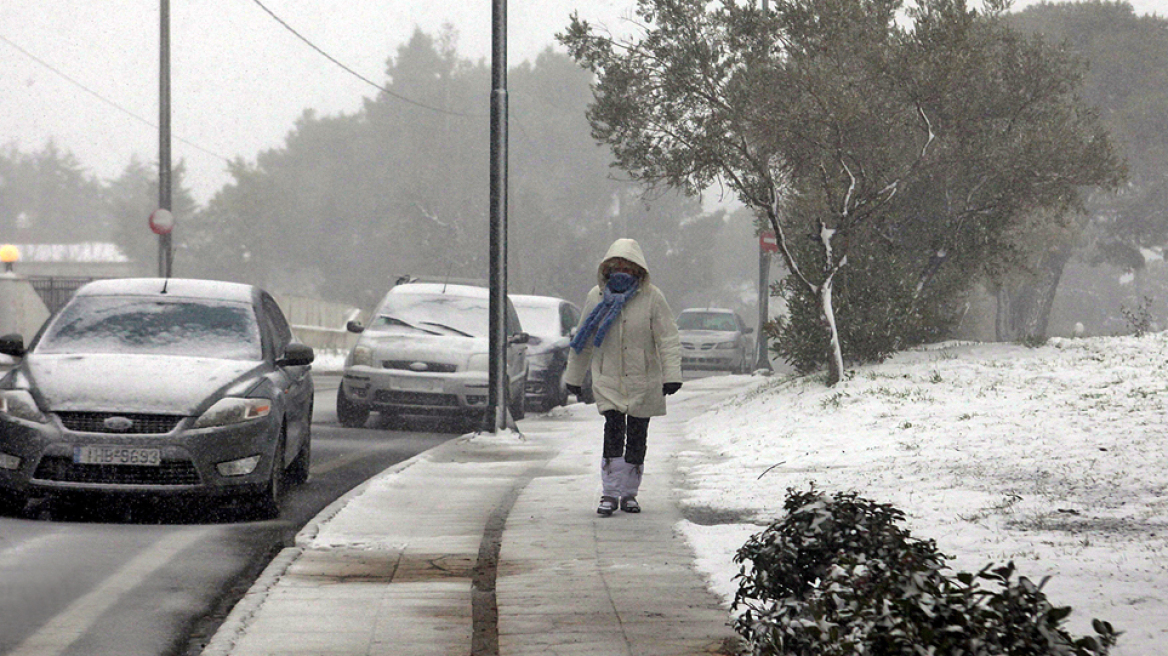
(139, 325)
(706, 321)
(540, 320)
(442, 314)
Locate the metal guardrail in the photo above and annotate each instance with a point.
(56, 291)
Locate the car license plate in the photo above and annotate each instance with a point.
(116, 455)
(409, 384)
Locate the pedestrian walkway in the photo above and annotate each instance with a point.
(491, 545)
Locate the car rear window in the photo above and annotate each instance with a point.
(137, 325)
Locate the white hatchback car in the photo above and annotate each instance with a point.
(426, 352)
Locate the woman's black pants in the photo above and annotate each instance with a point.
(625, 435)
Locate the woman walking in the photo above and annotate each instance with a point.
(628, 337)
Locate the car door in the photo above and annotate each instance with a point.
(516, 353)
(297, 381)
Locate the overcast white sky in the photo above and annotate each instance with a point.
(238, 78)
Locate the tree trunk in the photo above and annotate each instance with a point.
(835, 358)
(1023, 312)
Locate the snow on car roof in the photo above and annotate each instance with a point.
(177, 287)
(529, 300)
(719, 310)
(441, 288)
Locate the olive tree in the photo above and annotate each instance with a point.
(829, 117)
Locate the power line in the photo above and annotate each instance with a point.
(354, 73)
(104, 99)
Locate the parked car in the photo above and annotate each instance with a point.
(714, 338)
(426, 352)
(549, 321)
(157, 387)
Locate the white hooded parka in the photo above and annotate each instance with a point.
(641, 351)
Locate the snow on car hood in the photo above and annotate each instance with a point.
(452, 349)
(132, 383)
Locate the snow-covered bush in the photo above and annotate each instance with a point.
(838, 576)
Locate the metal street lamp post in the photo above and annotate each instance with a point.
(165, 252)
(497, 379)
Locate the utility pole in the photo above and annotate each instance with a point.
(165, 251)
(497, 379)
(763, 360)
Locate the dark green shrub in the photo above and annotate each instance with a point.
(837, 576)
(877, 311)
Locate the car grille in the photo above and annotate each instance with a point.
(94, 422)
(435, 367)
(170, 472)
(415, 398)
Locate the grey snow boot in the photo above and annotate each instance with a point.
(607, 506)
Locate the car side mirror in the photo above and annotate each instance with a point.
(12, 345)
(519, 338)
(296, 355)
(355, 326)
(748, 331)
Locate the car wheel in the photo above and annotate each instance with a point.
(519, 402)
(349, 414)
(587, 396)
(298, 470)
(561, 394)
(12, 504)
(268, 501)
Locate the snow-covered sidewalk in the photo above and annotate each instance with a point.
(1054, 457)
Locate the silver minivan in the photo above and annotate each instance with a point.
(426, 352)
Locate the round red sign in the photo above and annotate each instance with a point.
(161, 221)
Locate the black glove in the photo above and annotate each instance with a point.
(574, 390)
(670, 388)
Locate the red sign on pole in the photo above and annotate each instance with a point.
(767, 242)
(161, 222)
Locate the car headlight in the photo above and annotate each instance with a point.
(541, 360)
(362, 356)
(479, 362)
(241, 467)
(726, 345)
(234, 411)
(20, 405)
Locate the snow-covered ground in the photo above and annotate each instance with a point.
(328, 361)
(1054, 457)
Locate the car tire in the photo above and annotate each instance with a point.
(12, 504)
(561, 394)
(519, 402)
(267, 502)
(349, 414)
(298, 470)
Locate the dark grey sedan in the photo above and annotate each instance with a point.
(157, 387)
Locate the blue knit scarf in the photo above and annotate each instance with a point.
(620, 288)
